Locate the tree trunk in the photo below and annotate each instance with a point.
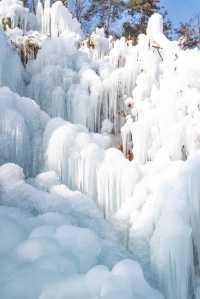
(78, 10)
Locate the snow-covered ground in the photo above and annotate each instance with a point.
(100, 161)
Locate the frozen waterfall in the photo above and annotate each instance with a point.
(90, 123)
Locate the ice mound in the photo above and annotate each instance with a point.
(63, 259)
(77, 242)
(11, 174)
(46, 180)
(11, 233)
(34, 249)
(95, 279)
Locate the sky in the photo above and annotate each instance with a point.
(181, 10)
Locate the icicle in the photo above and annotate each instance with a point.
(15, 140)
(118, 53)
(62, 21)
(89, 162)
(126, 136)
(172, 258)
(100, 44)
(116, 179)
(192, 175)
(112, 103)
(73, 154)
(40, 15)
(58, 106)
(46, 20)
(21, 127)
(9, 60)
(142, 139)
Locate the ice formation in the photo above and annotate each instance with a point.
(62, 112)
(14, 14)
(56, 20)
(9, 60)
(51, 238)
(74, 154)
(21, 128)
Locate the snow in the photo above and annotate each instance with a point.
(67, 193)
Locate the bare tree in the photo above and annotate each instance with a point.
(106, 10)
(189, 33)
(79, 8)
